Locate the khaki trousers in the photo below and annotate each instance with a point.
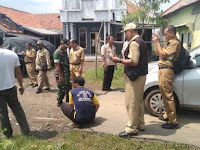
(30, 68)
(74, 71)
(134, 103)
(166, 78)
(43, 80)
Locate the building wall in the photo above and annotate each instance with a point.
(187, 20)
(91, 10)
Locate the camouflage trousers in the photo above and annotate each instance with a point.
(63, 89)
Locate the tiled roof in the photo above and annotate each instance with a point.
(43, 21)
(20, 17)
(49, 21)
(180, 4)
(131, 8)
(8, 26)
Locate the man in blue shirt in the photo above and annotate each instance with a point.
(83, 104)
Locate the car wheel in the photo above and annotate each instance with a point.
(154, 103)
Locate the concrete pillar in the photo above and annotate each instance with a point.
(72, 30)
(67, 31)
(109, 28)
(105, 31)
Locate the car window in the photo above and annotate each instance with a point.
(197, 58)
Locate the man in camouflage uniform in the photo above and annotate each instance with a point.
(61, 61)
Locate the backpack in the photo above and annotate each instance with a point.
(182, 62)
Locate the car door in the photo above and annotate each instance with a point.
(191, 85)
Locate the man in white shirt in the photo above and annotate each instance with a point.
(10, 67)
(108, 50)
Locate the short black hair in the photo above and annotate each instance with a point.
(1, 41)
(108, 37)
(30, 44)
(171, 29)
(80, 80)
(65, 41)
(74, 41)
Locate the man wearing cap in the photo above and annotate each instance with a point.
(136, 68)
(76, 57)
(61, 61)
(43, 64)
(29, 59)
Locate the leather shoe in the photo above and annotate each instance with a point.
(169, 126)
(48, 89)
(59, 104)
(125, 134)
(141, 129)
(162, 118)
(35, 85)
(38, 91)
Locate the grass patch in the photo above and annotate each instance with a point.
(77, 140)
(118, 78)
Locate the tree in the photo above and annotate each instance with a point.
(145, 12)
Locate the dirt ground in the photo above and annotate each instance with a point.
(44, 117)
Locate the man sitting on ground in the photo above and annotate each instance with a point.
(83, 104)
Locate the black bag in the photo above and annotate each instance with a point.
(132, 73)
(43, 66)
(182, 61)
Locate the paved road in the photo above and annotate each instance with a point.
(112, 118)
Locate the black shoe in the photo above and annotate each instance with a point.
(169, 126)
(48, 89)
(125, 134)
(59, 104)
(122, 90)
(162, 118)
(35, 85)
(141, 129)
(38, 91)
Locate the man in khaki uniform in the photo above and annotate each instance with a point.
(76, 59)
(136, 65)
(166, 74)
(43, 64)
(29, 59)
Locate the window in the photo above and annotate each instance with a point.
(189, 41)
(182, 38)
(83, 37)
(118, 34)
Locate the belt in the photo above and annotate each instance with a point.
(165, 67)
(29, 62)
(76, 64)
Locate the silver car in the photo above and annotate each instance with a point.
(186, 87)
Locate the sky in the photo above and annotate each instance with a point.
(47, 6)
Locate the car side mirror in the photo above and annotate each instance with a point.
(192, 64)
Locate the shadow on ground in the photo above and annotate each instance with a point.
(44, 134)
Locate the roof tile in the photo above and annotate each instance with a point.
(178, 5)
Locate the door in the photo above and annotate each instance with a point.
(93, 42)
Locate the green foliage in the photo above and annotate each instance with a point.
(79, 140)
(118, 78)
(146, 12)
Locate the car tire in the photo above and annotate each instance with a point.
(154, 103)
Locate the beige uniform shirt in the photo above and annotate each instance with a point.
(134, 51)
(42, 56)
(76, 55)
(173, 50)
(30, 53)
(107, 51)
